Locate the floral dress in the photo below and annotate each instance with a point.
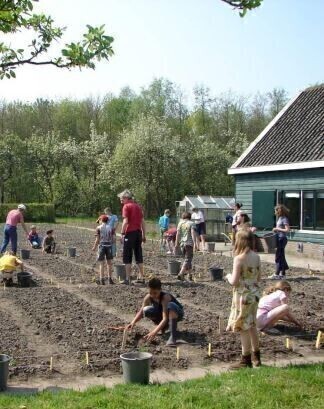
(245, 300)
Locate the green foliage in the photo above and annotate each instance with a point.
(244, 389)
(36, 212)
(17, 17)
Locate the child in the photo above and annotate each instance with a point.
(273, 306)
(33, 238)
(186, 236)
(104, 240)
(49, 244)
(238, 210)
(8, 264)
(164, 222)
(170, 236)
(163, 309)
(197, 216)
(246, 294)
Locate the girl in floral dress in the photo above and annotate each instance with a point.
(246, 294)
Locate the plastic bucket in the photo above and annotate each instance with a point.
(120, 271)
(4, 371)
(24, 279)
(136, 367)
(71, 251)
(210, 247)
(216, 273)
(25, 254)
(174, 267)
(270, 240)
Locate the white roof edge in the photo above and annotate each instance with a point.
(273, 168)
(265, 131)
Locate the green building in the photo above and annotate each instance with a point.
(285, 164)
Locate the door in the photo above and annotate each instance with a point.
(263, 203)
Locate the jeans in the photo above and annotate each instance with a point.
(10, 234)
(281, 263)
(154, 312)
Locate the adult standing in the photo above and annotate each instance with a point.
(197, 216)
(281, 230)
(133, 234)
(14, 217)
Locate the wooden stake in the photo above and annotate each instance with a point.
(288, 343)
(70, 280)
(220, 324)
(209, 349)
(319, 339)
(51, 364)
(58, 285)
(178, 353)
(51, 280)
(87, 357)
(4, 286)
(124, 339)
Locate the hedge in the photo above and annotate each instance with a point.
(36, 212)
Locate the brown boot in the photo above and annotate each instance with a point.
(256, 358)
(245, 362)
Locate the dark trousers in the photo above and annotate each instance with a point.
(133, 244)
(10, 234)
(281, 263)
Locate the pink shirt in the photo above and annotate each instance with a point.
(271, 301)
(14, 217)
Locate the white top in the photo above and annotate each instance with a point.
(235, 217)
(271, 301)
(198, 217)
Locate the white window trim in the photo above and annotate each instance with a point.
(310, 231)
(274, 168)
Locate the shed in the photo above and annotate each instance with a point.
(215, 210)
(285, 164)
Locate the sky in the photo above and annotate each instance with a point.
(190, 42)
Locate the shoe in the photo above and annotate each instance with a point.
(126, 282)
(245, 362)
(102, 281)
(274, 277)
(256, 359)
(140, 281)
(271, 331)
(180, 277)
(110, 281)
(169, 253)
(282, 277)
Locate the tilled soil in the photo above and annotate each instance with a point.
(66, 314)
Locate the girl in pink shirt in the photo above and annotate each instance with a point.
(273, 306)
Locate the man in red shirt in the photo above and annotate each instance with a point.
(133, 234)
(14, 217)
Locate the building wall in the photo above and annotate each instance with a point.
(283, 180)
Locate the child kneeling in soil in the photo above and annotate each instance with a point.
(34, 238)
(8, 264)
(104, 240)
(162, 308)
(49, 244)
(273, 306)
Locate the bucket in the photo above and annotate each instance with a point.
(71, 251)
(120, 271)
(24, 279)
(216, 273)
(136, 367)
(25, 254)
(4, 371)
(174, 267)
(270, 240)
(210, 247)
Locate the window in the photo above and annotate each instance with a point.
(320, 210)
(308, 210)
(292, 201)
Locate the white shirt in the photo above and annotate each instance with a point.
(198, 217)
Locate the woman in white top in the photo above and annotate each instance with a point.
(238, 211)
(197, 216)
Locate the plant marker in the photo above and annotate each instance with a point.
(288, 343)
(124, 338)
(87, 357)
(70, 280)
(318, 339)
(51, 280)
(209, 349)
(4, 286)
(220, 324)
(178, 353)
(51, 364)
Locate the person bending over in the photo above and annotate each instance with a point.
(163, 309)
(273, 306)
(8, 264)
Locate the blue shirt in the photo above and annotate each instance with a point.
(164, 222)
(113, 219)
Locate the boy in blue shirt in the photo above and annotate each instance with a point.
(164, 223)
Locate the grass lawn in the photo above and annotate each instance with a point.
(266, 388)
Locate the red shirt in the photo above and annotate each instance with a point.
(14, 217)
(134, 214)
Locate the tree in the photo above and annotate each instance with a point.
(16, 16)
(278, 98)
(243, 5)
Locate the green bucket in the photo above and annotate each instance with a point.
(136, 367)
(4, 371)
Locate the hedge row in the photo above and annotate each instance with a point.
(36, 212)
